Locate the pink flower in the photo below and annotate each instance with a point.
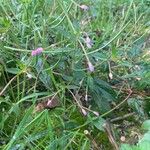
(90, 66)
(37, 51)
(88, 42)
(84, 7)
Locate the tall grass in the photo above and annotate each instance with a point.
(113, 27)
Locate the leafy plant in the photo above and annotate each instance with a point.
(143, 143)
(92, 56)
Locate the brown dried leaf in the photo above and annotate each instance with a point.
(47, 104)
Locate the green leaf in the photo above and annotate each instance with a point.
(126, 147)
(145, 145)
(101, 93)
(100, 56)
(31, 96)
(90, 82)
(146, 137)
(13, 70)
(20, 129)
(44, 76)
(16, 109)
(146, 125)
(137, 105)
(98, 123)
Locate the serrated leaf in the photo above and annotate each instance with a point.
(44, 76)
(137, 105)
(101, 93)
(90, 82)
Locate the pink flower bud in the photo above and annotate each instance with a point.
(37, 51)
(96, 113)
(88, 42)
(110, 76)
(90, 66)
(84, 7)
(84, 112)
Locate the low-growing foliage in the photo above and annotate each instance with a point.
(74, 74)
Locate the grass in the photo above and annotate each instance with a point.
(119, 31)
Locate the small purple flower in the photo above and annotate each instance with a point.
(84, 7)
(88, 42)
(90, 66)
(37, 51)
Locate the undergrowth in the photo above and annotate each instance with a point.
(74, 74)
